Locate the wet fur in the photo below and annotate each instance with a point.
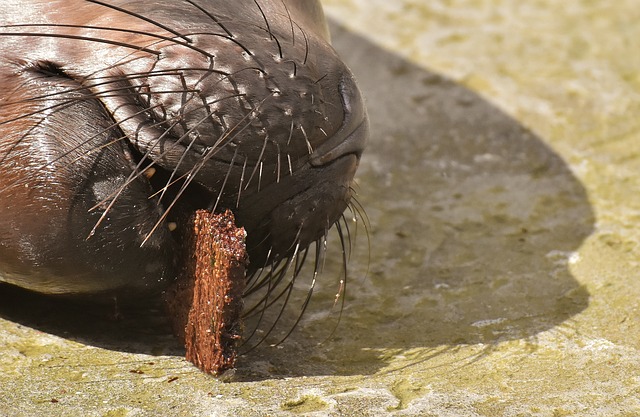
(240, 105)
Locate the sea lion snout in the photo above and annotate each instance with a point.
(150, 113)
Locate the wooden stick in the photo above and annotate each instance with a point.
(206, 302)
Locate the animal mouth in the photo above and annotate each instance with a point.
(294, 211)
(281, 212)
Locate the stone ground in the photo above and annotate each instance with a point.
(502, 188)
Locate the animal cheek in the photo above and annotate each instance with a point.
(73, 212)
(55, 247)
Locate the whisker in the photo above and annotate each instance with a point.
(306, 138)
(277, 162)
(349, 239)
(290, 166)
(263, 304)
(211, 16)
(264, 145)
(356, 208)
(186, 43)
(306, 41)
(141, 17)
(286, 293)
(342, 290)
(223, 36)
(244, 169)
(291, 128)
(254, 281)
(264, 17)
(316, 271)
(82, 38)
(293, 35)
(226, 178)
(172, 178)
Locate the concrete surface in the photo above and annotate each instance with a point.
(502, 186)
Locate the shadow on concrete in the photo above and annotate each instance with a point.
(473, 223)
(141, 328)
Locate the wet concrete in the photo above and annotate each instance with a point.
(501, 186)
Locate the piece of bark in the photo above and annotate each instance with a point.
(205, 303)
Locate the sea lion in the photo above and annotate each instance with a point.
(119, 118)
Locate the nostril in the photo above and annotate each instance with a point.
(353, 134)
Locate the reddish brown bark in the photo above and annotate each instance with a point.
(206, 301)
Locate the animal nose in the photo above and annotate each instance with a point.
(353, 134)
